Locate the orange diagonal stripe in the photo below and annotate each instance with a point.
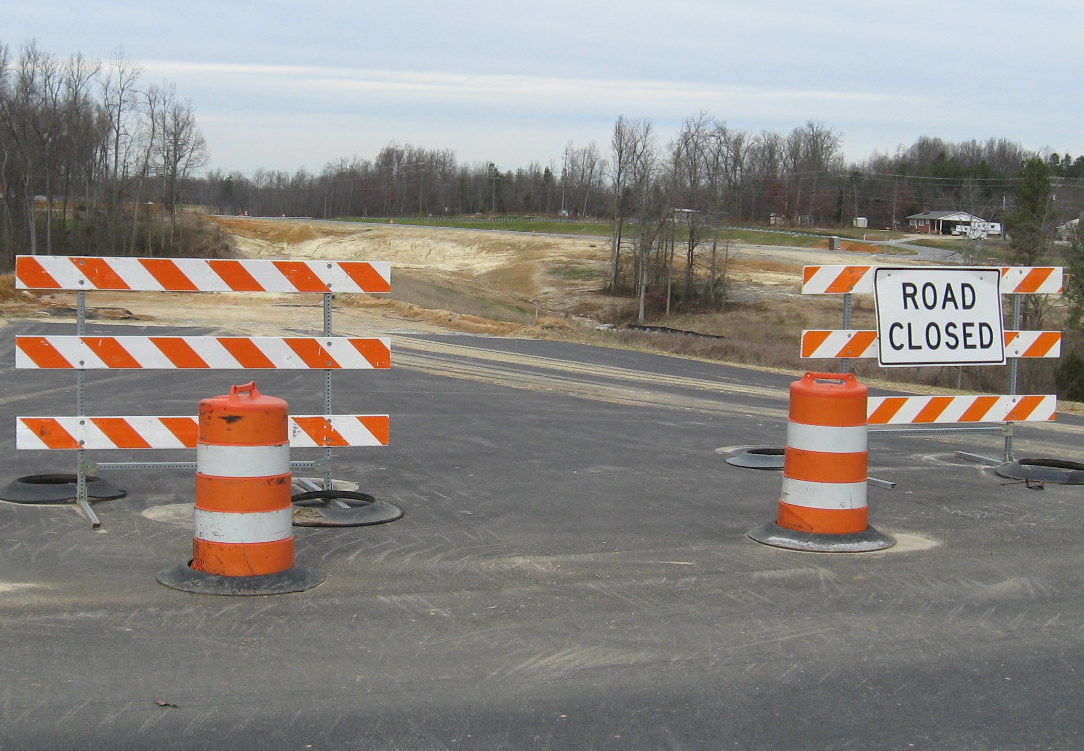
(51, 433)
(245, 351)
(888, 409)
(365, 276)
(31, 275)
(1043, 344)
(859, 343)
(179, 352)
(166, 273)
(812, 340)
(100, 273)
(111, 352)
(373, 350)
(378, 425)
(301, 276)
(1034, 279)
(1024, 408)
(847, 279)
(236, 276)
(42, 352)
(319, 429)
(186, 429)
(979, 408)
(120, 432)
(933, 409)
(312, 353)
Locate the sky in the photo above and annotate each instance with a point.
(292, 84)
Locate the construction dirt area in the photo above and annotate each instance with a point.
(487, 282)
(443, 279)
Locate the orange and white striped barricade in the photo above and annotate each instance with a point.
(182, 432)
(200, 275)
(82, 353)
(243, 543)
(835, 344)
(822, 506)
(845, 280)
(847, 343)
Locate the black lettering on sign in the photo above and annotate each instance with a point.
(892, 331)
(949, 299)
(910, 291)
(969, 296)
(929, 295)
(931, 298)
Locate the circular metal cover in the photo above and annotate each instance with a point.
(56, 488)
(763, 457)
(341, 508)
(1057, 471)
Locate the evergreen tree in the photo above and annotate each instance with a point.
(1029, 223)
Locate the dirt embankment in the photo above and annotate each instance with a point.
(502, 283)
(543, 278)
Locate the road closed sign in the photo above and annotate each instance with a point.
(939, 316)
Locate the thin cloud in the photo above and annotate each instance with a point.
(337, 81)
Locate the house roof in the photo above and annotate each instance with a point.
(950, 216)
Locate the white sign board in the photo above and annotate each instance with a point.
(939, 316)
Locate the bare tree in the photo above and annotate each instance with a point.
(120, 101)
(631, 145)
(181, 149)
(583, 170)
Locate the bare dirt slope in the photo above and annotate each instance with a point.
(555, 277)
(549, 283)
(512, 265)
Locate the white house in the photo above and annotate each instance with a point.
(952, 223)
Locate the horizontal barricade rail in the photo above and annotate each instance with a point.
(843, 280)
(143, 432)
(861, 344)
(81, 352)
(200, 275)
(926, 410)
(201, 352)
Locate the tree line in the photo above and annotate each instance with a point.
(798, 178)
(92, 160)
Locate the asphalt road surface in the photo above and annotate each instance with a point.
(572, 572)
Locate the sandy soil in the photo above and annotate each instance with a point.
(527, 271)
(509, 265)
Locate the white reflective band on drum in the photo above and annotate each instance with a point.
(258, 526)
(825, 495)
(242, 461)
(828, 439)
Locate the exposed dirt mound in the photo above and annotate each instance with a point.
(8, 293)
(270, 231)
(17, 301)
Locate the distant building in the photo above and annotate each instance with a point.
(1068, 230)
(952, 223)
